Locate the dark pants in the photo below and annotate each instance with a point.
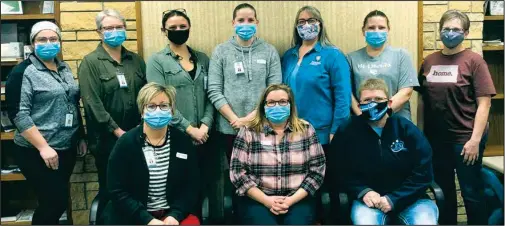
(254, 213)
(101, 158)
(51, 186)
(446, 158)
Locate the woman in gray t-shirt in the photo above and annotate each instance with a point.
(379, 60)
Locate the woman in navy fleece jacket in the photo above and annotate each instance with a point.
(384, 161)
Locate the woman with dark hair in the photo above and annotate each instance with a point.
(318, 74)
(184, 68)
(379, 60)
(277, 163)
(240, 69)
(152, 174)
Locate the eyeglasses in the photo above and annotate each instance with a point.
(375, 99)
(163, 107)
(453, 29)
(45, 39)
(171, 10)
(272, 103)
(111, 28)
(310, 21)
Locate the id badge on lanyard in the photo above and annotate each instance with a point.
(150, 158)
(122, 79)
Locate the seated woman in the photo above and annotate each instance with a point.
(152, 174)
(277, 163)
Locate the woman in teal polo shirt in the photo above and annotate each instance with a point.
(318, 74)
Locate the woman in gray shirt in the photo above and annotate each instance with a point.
(43, 103)
(379, 60)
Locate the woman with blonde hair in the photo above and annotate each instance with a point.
(277, 163)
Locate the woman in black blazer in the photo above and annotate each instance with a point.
(153, 172)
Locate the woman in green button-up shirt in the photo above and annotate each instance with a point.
(185, 69)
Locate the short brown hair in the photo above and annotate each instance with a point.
(152, 89)
(374, 84)
(455, 14)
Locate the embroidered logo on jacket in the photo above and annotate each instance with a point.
(398, 146)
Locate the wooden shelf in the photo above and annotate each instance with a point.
(492, 48)
(498, 96)
(16, 223)
(49, 16)
(7, 135)
(493, 150)
(500, 17)
(12, 63)
(13, 177)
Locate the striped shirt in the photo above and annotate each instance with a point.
(297, 161)
(158, 171)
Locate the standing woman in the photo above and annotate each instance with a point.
(43, 103)
(110, 78)
(456, 89)
(318, 74)
(184, 68)
(379, 60)
(240, 69)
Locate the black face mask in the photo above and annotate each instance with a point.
(178, 37)
(375, 111)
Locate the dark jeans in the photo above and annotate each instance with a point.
(446, 158)
(51, 186)
(101, 159)
(254, 213)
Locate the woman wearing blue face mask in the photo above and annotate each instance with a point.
(318, 74)
(379, 60)
(43, 103)
(240, 69)
(153, 174)
(277, 164)
(456, 88)
(110, 78)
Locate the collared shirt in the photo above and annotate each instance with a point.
(321, 81)
(109, 106)
(192, 104)
(297, 161)
(38, 96)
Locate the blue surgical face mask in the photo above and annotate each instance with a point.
(376, 38)
(451, 38)
(114, 38)
(308, 31)
(245, 31)
(158, 118)
(47, 51)
(374, 111)
(277, 114)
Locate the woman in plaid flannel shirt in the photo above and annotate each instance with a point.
(277, 163)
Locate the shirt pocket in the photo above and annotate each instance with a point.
(174, 77)
(110, 83)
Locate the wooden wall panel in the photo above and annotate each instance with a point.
(211, 24)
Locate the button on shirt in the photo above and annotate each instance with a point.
(297, 161)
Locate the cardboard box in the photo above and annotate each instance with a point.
(12, 50)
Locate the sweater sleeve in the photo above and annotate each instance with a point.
(275, 71)
(216, 80)
(118, 179)
(422, 173)
(18, 95)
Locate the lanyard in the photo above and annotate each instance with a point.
(67, 90)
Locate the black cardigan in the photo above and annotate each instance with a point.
(128, 179)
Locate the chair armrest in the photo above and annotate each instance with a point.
(205, 211)
(228, 208)
(326, 207)
(344, 210)
(93, 211)
(439, 197)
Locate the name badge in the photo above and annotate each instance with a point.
(69, 120)
(239, 68)
(261, 61)
(150, 159)
(122, 80)
(181, 155)
(205, 82)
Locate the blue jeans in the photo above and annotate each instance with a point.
(252, 212)
(446, 158)
(422, 212)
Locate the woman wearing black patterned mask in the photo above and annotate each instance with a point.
(184, 68)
